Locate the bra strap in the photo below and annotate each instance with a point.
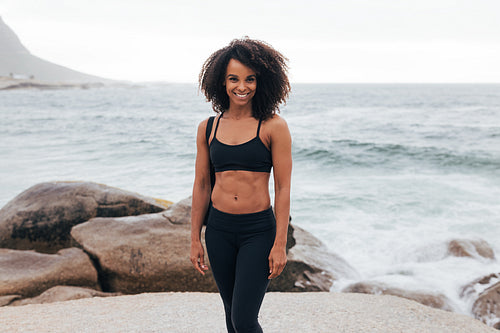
(217, 126)
(258, 127)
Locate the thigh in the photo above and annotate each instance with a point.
(252, 272)
(222, 253)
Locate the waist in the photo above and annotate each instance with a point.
(249, 222)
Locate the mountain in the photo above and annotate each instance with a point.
(16, 60)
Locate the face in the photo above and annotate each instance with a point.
(240, 83)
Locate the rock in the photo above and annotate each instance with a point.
(142, 253)
(180, 212)
(151, 253)
(8, 299)
(487, 307)
(438, 301)
(41, 217)
(28, 273)
(62, 293)
(310, 265)
(485, 293)
(470, 248)
(476, 287)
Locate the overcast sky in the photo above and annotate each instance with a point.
(325, 40)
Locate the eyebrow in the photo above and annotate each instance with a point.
(252, 75)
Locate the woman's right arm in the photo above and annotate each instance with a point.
(200, 198)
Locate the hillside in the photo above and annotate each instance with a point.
(16, 61)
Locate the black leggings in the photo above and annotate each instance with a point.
(238, 247)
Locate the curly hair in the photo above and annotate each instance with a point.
(269, 65)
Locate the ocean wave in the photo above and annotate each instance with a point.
(369, 154)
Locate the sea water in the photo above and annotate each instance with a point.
(384, 174)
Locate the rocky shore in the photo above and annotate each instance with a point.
(62, 241)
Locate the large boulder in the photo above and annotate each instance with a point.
(151, 253)
(60, 294)
(41, 217)
(145, 253)
(28, 273)
(473, 248)
(310, 265)
(438, 301)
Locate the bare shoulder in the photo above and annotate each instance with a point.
(277, 124)
(203, 124)
(202, 127)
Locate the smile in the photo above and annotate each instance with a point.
(241, 96)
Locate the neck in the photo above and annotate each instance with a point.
(238, 112)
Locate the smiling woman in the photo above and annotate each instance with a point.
(241, 83)
(245, 238)
(268, 65)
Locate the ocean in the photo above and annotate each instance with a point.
(384, 174)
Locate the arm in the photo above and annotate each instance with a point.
(200, 198)
(281, 145)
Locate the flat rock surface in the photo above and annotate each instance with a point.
(202, 312)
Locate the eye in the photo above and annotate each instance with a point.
(251, 79)
(233, 79)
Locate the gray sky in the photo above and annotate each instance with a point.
(325, 41)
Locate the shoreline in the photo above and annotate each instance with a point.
(203, 312)
(8, 83)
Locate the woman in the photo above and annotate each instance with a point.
(246, 243)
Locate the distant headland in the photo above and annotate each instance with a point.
(21, 69)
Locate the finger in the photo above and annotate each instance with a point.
(198, 268)
(273, 271)
(202, 263)
(276, 271)
(282, 267)
(196, 265)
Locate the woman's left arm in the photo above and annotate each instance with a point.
(281, 147)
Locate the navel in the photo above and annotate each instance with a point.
(235, 197)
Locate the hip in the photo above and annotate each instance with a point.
(251, 222)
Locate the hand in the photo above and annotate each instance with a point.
(277, 261)
(197, 257)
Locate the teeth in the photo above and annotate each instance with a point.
(244, 95)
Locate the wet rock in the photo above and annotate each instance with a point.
(438, 301)
(41, 217)
(310, 265)
(145, 253)
(470, 248)
(485, 293)
(62, 293)
(28, 273)
(487, 306)
(476, 287)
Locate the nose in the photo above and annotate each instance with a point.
(241, 86)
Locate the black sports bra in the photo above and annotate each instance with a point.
(252, 155)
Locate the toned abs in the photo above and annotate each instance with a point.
(241, 192)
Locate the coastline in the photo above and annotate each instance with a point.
(8, 83)
(203, 312)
